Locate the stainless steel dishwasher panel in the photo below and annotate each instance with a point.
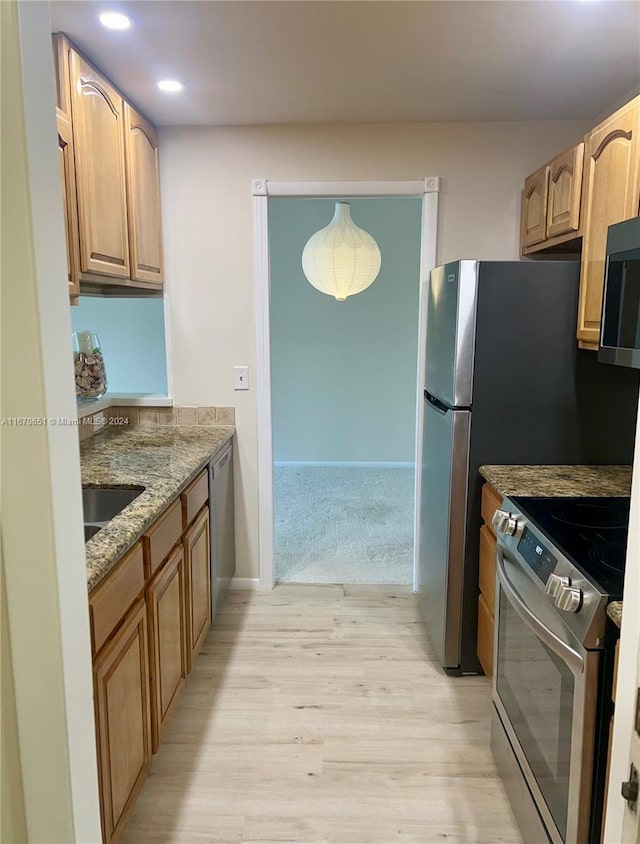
(223, 540)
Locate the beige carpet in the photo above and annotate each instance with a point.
(335, 524)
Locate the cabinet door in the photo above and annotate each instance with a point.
(565, 190)
(485, 637)
(143, 193)
(534, 207)
(166, 607)
(69, 200)
(611, 193)
(98, 135)
(198, 568)
(123, 720)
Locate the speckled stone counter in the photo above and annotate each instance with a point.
(614, 611)
(560, 481)
(162, 460)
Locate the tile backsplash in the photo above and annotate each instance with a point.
(152, 417)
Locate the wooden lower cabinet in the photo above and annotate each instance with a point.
(166, 607)
(198, 570)
(487, 570)
(491, 501)
(149, 617)
(485, 637)
(123, 720)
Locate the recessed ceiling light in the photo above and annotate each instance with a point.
(115, 20)
(170, 86)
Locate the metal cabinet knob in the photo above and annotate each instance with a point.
(569, 599)
(555, 583)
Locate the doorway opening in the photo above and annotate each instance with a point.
(343, 378)
(336, 386)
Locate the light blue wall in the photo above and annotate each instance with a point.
(344, 373)
(131, 333)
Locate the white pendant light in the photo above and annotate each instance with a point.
(341, 259)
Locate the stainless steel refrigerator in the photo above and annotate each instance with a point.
(505, 384)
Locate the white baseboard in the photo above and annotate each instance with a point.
(247, 584)
(347, 463)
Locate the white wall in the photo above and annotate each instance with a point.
(207, 218)
(43, 556)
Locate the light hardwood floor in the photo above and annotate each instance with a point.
(318, 714)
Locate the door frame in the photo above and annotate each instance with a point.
(427, 189)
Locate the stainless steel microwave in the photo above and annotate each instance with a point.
(620, 323)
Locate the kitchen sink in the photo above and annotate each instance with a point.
(101, 504)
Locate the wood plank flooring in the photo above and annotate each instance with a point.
(318, 715)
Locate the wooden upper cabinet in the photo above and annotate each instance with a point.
(611, 192)
(143, 194)
(534, 207)
(565, 190)
(98, 129)
(69, 201)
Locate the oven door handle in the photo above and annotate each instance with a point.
(572, 658)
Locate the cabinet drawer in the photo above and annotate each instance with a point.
(487, 568)
(194, 498)
(111, 599)
(485, 637)
(161, 537)
(491, 501)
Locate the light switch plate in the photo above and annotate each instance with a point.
(240, 377)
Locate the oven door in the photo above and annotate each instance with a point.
(545, 692)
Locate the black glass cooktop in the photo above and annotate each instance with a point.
(592, 532)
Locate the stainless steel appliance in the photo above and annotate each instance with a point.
(504, 383)
(221, 510)
(559, 562)
(620, 323)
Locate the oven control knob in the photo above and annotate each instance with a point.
(555, 583)
(504, 523)
(569, 599)
(512, 527)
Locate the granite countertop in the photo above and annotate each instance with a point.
(162, 460)
(559, 481)
(614, 611)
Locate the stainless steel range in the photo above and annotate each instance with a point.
(560, 562)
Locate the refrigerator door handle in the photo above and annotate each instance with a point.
(435, 403)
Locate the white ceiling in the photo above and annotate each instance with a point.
(269, 61)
